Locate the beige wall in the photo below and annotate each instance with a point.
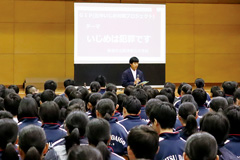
(36, 40)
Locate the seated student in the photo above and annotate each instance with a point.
(113, 97)
(111, 88)
(95, 86)
(84, 153)
(121, 99)
(129, 90)
(150, 104)
(132, 75)
(142, 143)
(131, 111)
(185, 89)
(172, 86)
(2, 90)
(169, 93)
(93, 99)
(32, 143)
(233, 141)
(5, 114)
(105, 109)
(68, 90)
(142, 97)
(180, 90)
(163, 117)
(50, 84)
(218, 125)
(28, 113)
(216, 91)
(8, 136)
(47, 95)
(236, 97)
(30, 89)
(78, 103)
(99, 135)
(162, 98)
(62, 103)
(187, 115)
(229, 87)
(199, 82)
(201, 146)
(76, 123)
(68, 82)
(15, 87)
(74, 95)
(49, 114)
(200, 97)
(11, 104)
(102, 81)
(217, 103)
(149, 91)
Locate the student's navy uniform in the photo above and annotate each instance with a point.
(128, 79)
(177, 103)
(118, 116)
(25, 121)
(102, 91)
(143, 114)
(131, 121)
(233, 144)
(171, 147)
(225, 154)
(114, 156)
(178, 123)
(53, 132)
(202, 110)
(118, 142)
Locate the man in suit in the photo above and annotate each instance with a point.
(132, 75)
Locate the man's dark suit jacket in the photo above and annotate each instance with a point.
(127, 77)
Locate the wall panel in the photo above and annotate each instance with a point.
(6, 70)
(6, 38)
(6, 11)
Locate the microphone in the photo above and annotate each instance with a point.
(137, 76)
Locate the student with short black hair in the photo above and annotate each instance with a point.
(30, 89)
(180, 88)
(143, 98)
(229, 87)
(99, 135)
(150, 104)
(68, 82)
(200, 96)
(218, 103)
(5, 114)
(15, 87)
(79, 102)
(142, 143)
(105, 109)
(199, 82)
(47, 95)
(28, 113)
(162, 98)
(93, 99)
(218, 125)
(11, 104)
(131, 111)
(111, 87)
(95, 86)
(74, 95)
(68, 90)
(163, 117)
(121, 99)
(129, 90)
(62, 103)
(8, 136)
(169, 93)
(102, 81)
(32, 143)
(173, 87)
(8, 91)
(216, 91)
(201, 146)
(85, 152)
(50, 84)
(2, 90)
(232, 143)
(149, 91)
(236, 97)
(49, 113)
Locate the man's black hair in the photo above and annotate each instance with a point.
(69, 89)
(229, 87)
(48, 95)
(50, 84)
(68, 82)
(200, 96)
(102, 80)
(133, 59)
(95, 86)
(49, 112)
(132, 105)
(170, 85)
(111, 87)
(152, 103)
(169, 93)
(199, 83)
(11, 103)
(15, 87)
(141, 96)
(180, 88)
(218, 102)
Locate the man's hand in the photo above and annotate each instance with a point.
(137, 81)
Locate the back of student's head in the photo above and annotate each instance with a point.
(200, 96)
(216, 91)
(49, 112)
(75, 94)
(84, 91)
(95, 86)
(170, 85)
(133, 59)
(32, 141)
(201, 146)
(68, 82)
(30, 89)
(15, 87)
(84, 152)
(112, 96)
(2, 90)
(98, 134)
(121, 99)
(141, 96)
(48, 95)
(229, 87)
(11, 103)
(8, 91)
(106, 108)
(217, 103)
(102, 80)
(217, 125)
(186, 89)
(79, 102)
(8, 136)
(5, 114)
(128, 90)
(180, 88)
(143, 141)
(94, 98)
(169, 93)
(2, 106)
(165, 114)
(150, 104)
(162, 98)
(236, 95)
(233, 115)
(27, 108)
(50, 84)
(61, 101)
(150, 92)
(187, 112)
(69, 89)
(132, 105)
(199, 82)
(111, 87)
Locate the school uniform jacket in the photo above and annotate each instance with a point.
(53, 132)
(118, 116)
(233, 144)
(171, 147)
(25, 121)
(118, 142)
(225, 154)
(131, 121)
(114, 156)
(143, 114)
(202, 111)
(127, 77)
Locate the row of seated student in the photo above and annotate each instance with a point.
(65, 118)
